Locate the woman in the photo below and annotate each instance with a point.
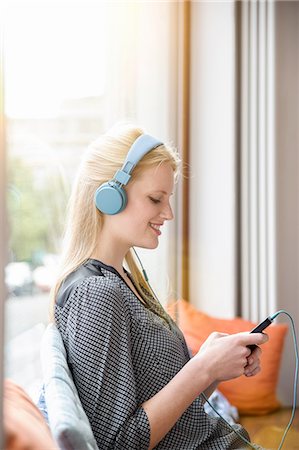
(129, 360)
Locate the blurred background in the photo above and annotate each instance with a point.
(219, 81)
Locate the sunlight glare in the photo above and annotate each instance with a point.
(52, 53)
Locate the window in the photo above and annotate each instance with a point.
(71, 72)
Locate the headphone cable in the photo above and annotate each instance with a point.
(145, 275)
(282, 311)
(255, 446)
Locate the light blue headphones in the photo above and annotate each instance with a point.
(110, 197)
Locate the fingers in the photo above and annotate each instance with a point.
(212, 338)
(247, 338)
(217, 334)
(249, 373)
(254, 354)
(231, 356)
(253, 363)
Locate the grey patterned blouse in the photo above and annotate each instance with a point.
(121, 353)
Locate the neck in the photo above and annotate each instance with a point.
(110, 262)
(111, 254)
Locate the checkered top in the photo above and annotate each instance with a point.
(120, 354)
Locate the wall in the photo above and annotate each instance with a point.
(212, 179)
(287, 174)
(212, 148)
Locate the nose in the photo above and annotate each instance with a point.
(167, 213)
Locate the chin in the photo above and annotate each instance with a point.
(155, 245)
(149, 245)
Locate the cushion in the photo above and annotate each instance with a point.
(67, 419)
(251, 395)
(24, 424)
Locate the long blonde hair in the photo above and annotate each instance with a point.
(83, 226)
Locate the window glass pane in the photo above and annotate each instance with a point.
(54, 85)
(71, 72)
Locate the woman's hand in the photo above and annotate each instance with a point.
(253, 363)
(227, 356)
(221, 357)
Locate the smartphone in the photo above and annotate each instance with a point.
(259, 329)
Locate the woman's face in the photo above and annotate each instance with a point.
(141, 223)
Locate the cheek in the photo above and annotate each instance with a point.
(139, 210)
(132, 217)
(137, 214)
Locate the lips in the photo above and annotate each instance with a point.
(156, 228)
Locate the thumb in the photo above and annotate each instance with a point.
(255, 338)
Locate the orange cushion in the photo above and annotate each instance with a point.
(251, 395)
(24, 425)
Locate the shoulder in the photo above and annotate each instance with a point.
(96, 296)
(97, 287)
(94, 305)
(96, 301)
(85, 284)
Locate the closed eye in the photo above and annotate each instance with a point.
(154, 200)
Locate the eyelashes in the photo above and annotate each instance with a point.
(154, 200)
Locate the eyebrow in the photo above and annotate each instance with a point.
(163, 192)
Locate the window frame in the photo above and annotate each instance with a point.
(3, 232)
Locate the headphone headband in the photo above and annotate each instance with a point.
(142, 145)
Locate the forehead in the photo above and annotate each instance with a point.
(156, 178)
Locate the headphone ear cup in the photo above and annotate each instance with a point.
(110, 198)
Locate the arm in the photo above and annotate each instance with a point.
(167, 406)
(252, 368)
(223, 358)
(97, 338)
(210, 389)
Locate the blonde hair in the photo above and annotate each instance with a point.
(83, 226)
